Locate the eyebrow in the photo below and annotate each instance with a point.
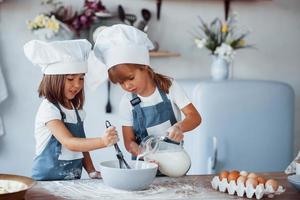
(73, 75)
(76, 74)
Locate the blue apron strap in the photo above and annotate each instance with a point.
(77, 115)
(63, 115)
(166, 100)
(163, 95)
(140, 116)
(80, 124)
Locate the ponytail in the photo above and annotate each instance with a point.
(163, 82)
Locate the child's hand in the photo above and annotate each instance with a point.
(135, 148)
(175, 133)
(152, 161)
(110, 136)
(95, 175)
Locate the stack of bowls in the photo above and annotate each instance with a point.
(295, 181)
(128, 179)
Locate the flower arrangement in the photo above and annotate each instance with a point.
(42, 21)
(79, 20)
(221, 38)
(48, 24)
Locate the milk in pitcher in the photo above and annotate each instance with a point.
(171, 163)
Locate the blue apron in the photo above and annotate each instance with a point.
(145, 117)
(47, 166)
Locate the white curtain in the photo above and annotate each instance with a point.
(3, 95)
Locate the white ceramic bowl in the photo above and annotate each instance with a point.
(294, 181)
(128, 179)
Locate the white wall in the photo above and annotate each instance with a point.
(275, 30)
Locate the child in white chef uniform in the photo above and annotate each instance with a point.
(153, 102)
(61, 146)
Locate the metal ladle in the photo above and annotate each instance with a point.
(119, 152)
(146, 16)
(143, 24)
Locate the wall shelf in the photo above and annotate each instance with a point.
(163, 54)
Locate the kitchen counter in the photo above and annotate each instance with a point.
(163, 188)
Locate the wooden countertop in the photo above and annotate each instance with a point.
(163, 188)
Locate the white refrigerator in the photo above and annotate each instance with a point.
(246, 125)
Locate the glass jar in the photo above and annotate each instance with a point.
(171, 157)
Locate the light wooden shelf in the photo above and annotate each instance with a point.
(163, 54)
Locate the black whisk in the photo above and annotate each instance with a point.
(119, 152)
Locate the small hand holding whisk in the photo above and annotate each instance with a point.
(119, 152)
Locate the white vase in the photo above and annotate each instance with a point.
(219, 69)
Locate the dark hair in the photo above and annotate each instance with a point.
(162, 81)
(52, 88)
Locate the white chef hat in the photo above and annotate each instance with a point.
(117, 44)
(120, 43)
(59, 57)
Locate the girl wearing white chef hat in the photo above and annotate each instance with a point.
(61, 146)
(153, 101)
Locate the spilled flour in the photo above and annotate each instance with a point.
(161, 188)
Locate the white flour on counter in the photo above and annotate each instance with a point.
(162, 188)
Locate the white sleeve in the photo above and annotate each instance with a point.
(125, 109)
(48, 112)
(178, 95)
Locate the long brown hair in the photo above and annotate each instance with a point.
(162, 81)
(52, 88)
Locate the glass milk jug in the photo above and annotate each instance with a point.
(171, 157)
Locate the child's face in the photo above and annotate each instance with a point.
(136, 80)
(73, 85)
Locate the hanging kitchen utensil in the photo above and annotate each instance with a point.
(119, 154)
(131, 18)
(158, 7)
(121, 13)
(108, 107)
(143, 25)
(146, 14)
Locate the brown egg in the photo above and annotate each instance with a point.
(235, 171)
(252, 181)
(233, 175)
(252, 175)
(272, 183)
(223, 174)
(261, 180)
(244, 173)
(241, 179)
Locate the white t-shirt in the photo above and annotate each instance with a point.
(176, 95)
(47, 112)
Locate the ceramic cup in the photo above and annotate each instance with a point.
(297, 167)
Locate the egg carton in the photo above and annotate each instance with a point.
(240, 189)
